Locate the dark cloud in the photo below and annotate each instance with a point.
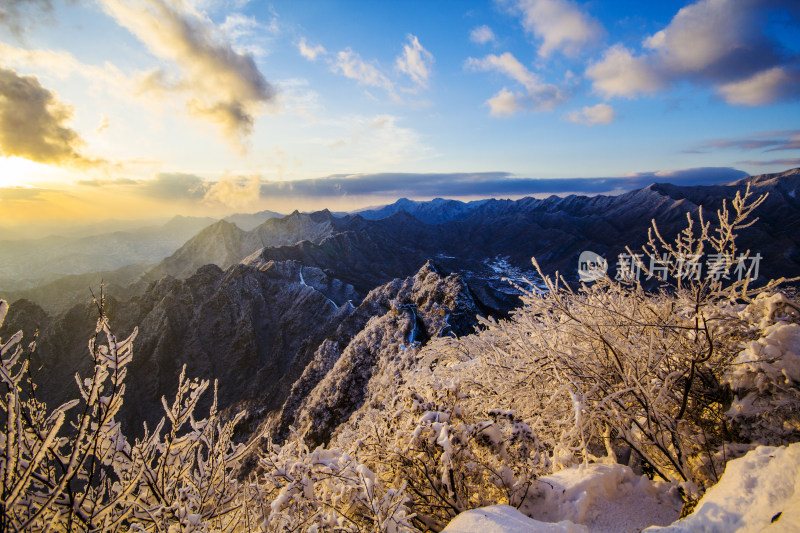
(18, 14)
(689, 176)
(485, 184)
(33, 123)
(792, 162)
(769, 141)
(243, 191)
(175, 186)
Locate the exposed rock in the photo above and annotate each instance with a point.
(391, 320)
(252, 330)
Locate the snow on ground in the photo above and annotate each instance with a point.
(757, 492)
(505, 519)
(595, 498)
(605, 497)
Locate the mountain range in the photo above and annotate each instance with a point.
(294, 316)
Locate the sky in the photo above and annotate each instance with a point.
(128, 109)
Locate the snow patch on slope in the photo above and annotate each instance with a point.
(505, 519)
(757, 492)
(604, 498)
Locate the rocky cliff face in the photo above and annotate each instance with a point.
(281, 338)
(390, 322)
(252, 328)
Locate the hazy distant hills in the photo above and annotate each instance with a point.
(26, 263)
(56, 271)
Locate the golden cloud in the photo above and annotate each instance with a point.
(33, 124)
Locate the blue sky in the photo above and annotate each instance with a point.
(212, 106)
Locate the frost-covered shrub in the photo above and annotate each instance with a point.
(765, 375)
(612, 368)
(449, 460)
(72, 469)
(327, 490)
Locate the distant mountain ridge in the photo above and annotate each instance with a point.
(555, 230)
(373, 246)
(366, 252)
(225, 244)
(441, 210)
(248, 221)
(434, 211)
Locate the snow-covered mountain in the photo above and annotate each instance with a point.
(318, 326)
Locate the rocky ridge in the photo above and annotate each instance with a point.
(392, 319)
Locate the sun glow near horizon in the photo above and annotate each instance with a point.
(20, 172)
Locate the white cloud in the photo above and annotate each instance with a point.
(597, 114)
(248, 34)
(538, 95)
(237, 25)
(481, 35)
(506, 64)
(350, 64)
(238, 192)
(310, 52)
(619, 73)
(704, 33)
(224, 86)
(415, 61)
(503, 104)
(108, 78)
(62, 64)
(377, 141)
(762, 88)
(721, 43)
(560, 24)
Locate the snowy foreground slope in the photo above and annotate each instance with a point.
(758, 492)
